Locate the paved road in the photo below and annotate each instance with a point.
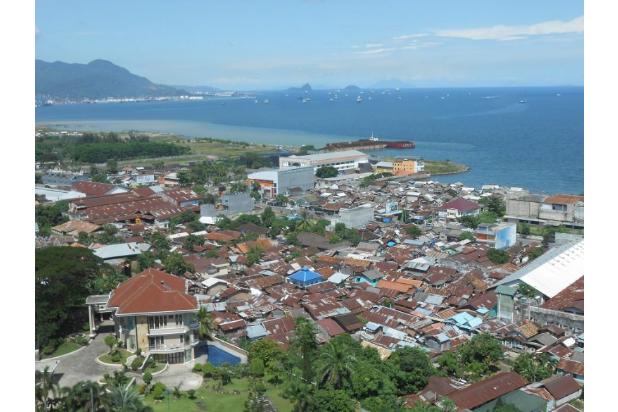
(81, 365)
(180, 375)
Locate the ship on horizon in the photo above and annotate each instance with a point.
(370, 143)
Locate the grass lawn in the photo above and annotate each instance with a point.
(207, 399)
(106, 357)
(64, 348)
(200, 149)
(438, 167)
(158, 367)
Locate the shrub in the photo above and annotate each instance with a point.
(197, 368)
(116, 357)
(136, 363)
(498, 256)
(81, 340)
(49, 349)
(191, 393)
(147, 377)
(141, 389)
(209, 370)
(158, 391)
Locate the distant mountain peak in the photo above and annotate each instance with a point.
(98, 79)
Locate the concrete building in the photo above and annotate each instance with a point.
(281, 181)
(405, 167)
(355, 217)
(344, 160)
(500, 236)
(550, 210)
(152, 312)
(230, 204)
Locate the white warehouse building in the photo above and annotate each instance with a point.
(343, 160)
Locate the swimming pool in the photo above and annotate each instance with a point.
(216, 355)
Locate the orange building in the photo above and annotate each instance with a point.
(404, 167)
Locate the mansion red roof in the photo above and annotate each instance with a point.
(152, 291)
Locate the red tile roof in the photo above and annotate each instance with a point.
(92, 188)
(563, 199)
(152, 291)
(572, 297)
(480, 393)
(461, 204)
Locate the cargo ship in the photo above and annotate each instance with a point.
(371, 143)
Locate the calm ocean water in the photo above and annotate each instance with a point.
(537, 144)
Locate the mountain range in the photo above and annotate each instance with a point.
(95, 80)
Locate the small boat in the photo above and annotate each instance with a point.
(266, 101)
(523, 101)
(256, 101)
(359, 99)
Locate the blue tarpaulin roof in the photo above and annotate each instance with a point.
(305, 276)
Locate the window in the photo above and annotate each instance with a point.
(178, 319)
(155, 342)
(157, 322)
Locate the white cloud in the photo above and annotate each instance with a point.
(380, 50)
(410, 36)
(505, 33)
(373, 45)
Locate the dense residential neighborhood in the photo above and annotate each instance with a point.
(366, 289)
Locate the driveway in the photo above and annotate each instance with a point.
(81, 365)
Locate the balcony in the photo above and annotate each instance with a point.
(169, 330)
(171, 348)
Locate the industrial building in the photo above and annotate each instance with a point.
(282, 181)
(342, 161)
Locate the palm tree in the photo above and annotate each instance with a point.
(85, 395)
(205, 326)
(47, 391)
(304, 224)
(124, 399)
(336, 367)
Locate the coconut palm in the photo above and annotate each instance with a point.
(336, 367)
(83, 396)
(47, 391)
(205, 326)
(124, 399)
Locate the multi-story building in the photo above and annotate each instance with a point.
(343, 160)
(281, 181)
(152, 311)
(404, 167)
(500, 236)
(538, 209)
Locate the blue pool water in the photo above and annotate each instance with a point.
(217, 356)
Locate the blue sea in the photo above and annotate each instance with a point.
(524, 137)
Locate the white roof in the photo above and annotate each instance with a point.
(338, 277)
(264, 175)
(121, 250)
(213, 281)
(330, 155)
(552, 272)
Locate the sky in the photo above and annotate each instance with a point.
(268, 44)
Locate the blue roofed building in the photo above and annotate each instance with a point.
(465, 321)
(305, 277)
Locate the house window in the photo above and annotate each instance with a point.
(559, 208)
(178, 319)
(156, 342)
(157, 322)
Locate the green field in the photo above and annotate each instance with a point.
(64, 348)
(201, 149)
(232, 397)
(441, 167)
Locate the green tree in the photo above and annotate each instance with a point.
(413, 231)
(494, 204)
(465, 235)
(384, 403)
(534, 368)
(450, 364)
(205, 324)
(112, 166)
(410, 369)
(146, 260)
(326, 171)
(480, 355)
(257, 368)
(256, 402)
(254, 255)
(523, 228)
(497, 256)
(305, 346)
(175, 264)
(124, 399)
(159, 241)
(147, 377)
(281, 200)
(63, 279)
(470, 221)
(336, 365)
(266, 350)
(267, 217)
(327, 400)
(111, 342)
(191, 241)
(46, 390)
(47, 216)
